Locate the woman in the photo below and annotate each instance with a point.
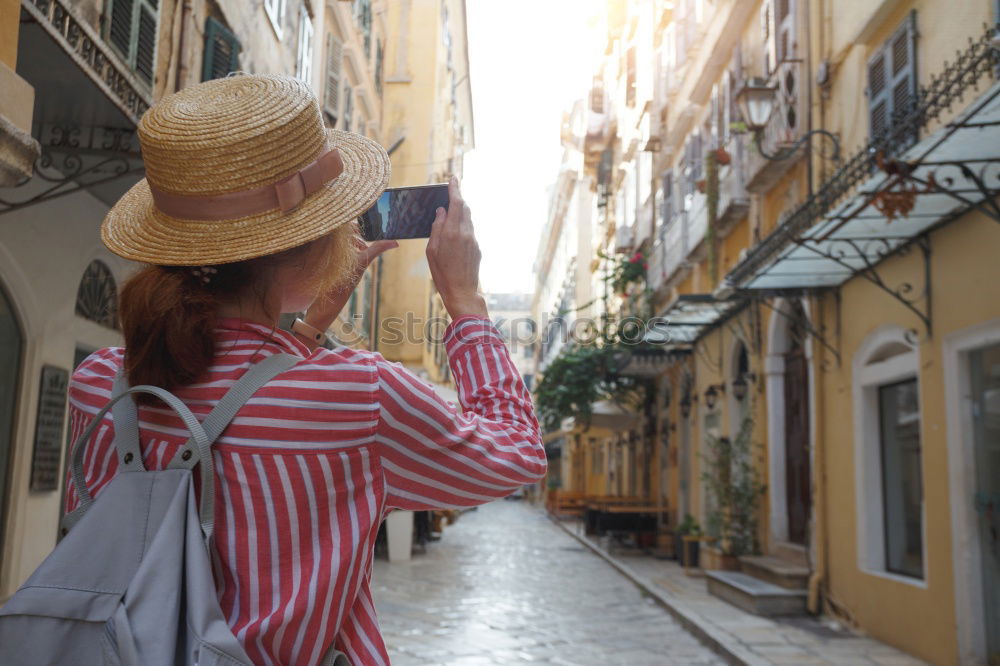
(247, 211)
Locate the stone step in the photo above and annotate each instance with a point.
(791, 552)
(789, 575)
(754, 595)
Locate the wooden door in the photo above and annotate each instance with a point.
(797, 468)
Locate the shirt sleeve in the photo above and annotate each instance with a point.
(436, 454)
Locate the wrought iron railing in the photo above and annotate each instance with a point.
(82, 43)
(979, 60)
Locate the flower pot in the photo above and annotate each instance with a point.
(722, 156)
(700, 185)
(687, 551)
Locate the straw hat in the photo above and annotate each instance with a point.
(238, 168)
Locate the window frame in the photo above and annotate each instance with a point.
(868, 377)
(305, 47)
(276, 11)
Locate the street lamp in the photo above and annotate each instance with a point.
(756, 101)
(712, 395)
(739, 388)
(685, 405)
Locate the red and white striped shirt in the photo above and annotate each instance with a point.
(314, 461)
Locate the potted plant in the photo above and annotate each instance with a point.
(722, 156)
(687, 552)
(734, 490)
(701, 185)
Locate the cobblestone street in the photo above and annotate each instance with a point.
(506, 586)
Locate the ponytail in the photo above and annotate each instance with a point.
(167, 318)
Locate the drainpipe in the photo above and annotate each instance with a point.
(813, 601)
(182, 68)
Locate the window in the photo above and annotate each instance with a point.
(275, 10)
(902, 486)
(303, 65)
(222, 51)
(363, 17)
(348, 107)
(892, 88)
(97, 296)
(379, 64)
(888, 458)
(667, 199)
(131, 30)
(630, 81)
(334, 62)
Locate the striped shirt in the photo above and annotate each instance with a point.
(312, 464)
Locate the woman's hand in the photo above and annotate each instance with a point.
(327, 307)
(453, 255)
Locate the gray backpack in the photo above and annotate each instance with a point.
(131, 584)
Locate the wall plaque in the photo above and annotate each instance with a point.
(49, 429)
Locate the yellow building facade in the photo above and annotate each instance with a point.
(828, 273)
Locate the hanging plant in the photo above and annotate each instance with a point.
(722, 156)
(700, 185)
(625, 272)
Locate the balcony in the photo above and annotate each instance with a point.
(624, 238)
(787, 124)
(668, 252)
(695, 223)
(734, 200)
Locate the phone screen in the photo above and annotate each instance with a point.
(404, 212)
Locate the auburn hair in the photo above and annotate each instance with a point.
(168, 313)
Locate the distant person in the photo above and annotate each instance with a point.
(260, 222)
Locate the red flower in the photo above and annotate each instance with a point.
(645, 266)
(636, 258)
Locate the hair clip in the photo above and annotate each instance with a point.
(205, 273)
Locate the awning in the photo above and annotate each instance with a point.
(857, 234)
(607, 418)
(875, 204)
(691, 316)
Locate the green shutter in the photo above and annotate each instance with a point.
(379, 58)
(131, 28)
(222, 51)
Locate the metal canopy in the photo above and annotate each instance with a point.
(689, 317)
(946, 174)
(874, 205)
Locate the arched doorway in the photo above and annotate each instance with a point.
(788, 404)
(11, 346)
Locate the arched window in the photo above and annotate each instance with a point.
(97, 295)
(888, 457)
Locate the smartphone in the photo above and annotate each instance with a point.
(404, 212)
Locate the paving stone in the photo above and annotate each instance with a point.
(506, 586)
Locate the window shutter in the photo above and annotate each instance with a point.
(892, 86)
(379, 58)
(334, 60)
(878, 96)
(768, 30)
(222, 51)
(667, 201)
(784, 24)
(131, 30)
(303, 65)
(901, 53)
(120, 30)
(348, 107)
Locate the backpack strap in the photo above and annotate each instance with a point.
(195, 450)
(80, 482)
(125, 416)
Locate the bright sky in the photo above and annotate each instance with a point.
(530, 59)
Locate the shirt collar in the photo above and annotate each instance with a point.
(279, 337)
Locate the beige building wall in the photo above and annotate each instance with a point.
(429, 128)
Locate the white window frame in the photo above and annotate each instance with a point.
(965, 539)
(275, 10)
(304, 61)
(867, 377)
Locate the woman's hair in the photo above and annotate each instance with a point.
(168, 313)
